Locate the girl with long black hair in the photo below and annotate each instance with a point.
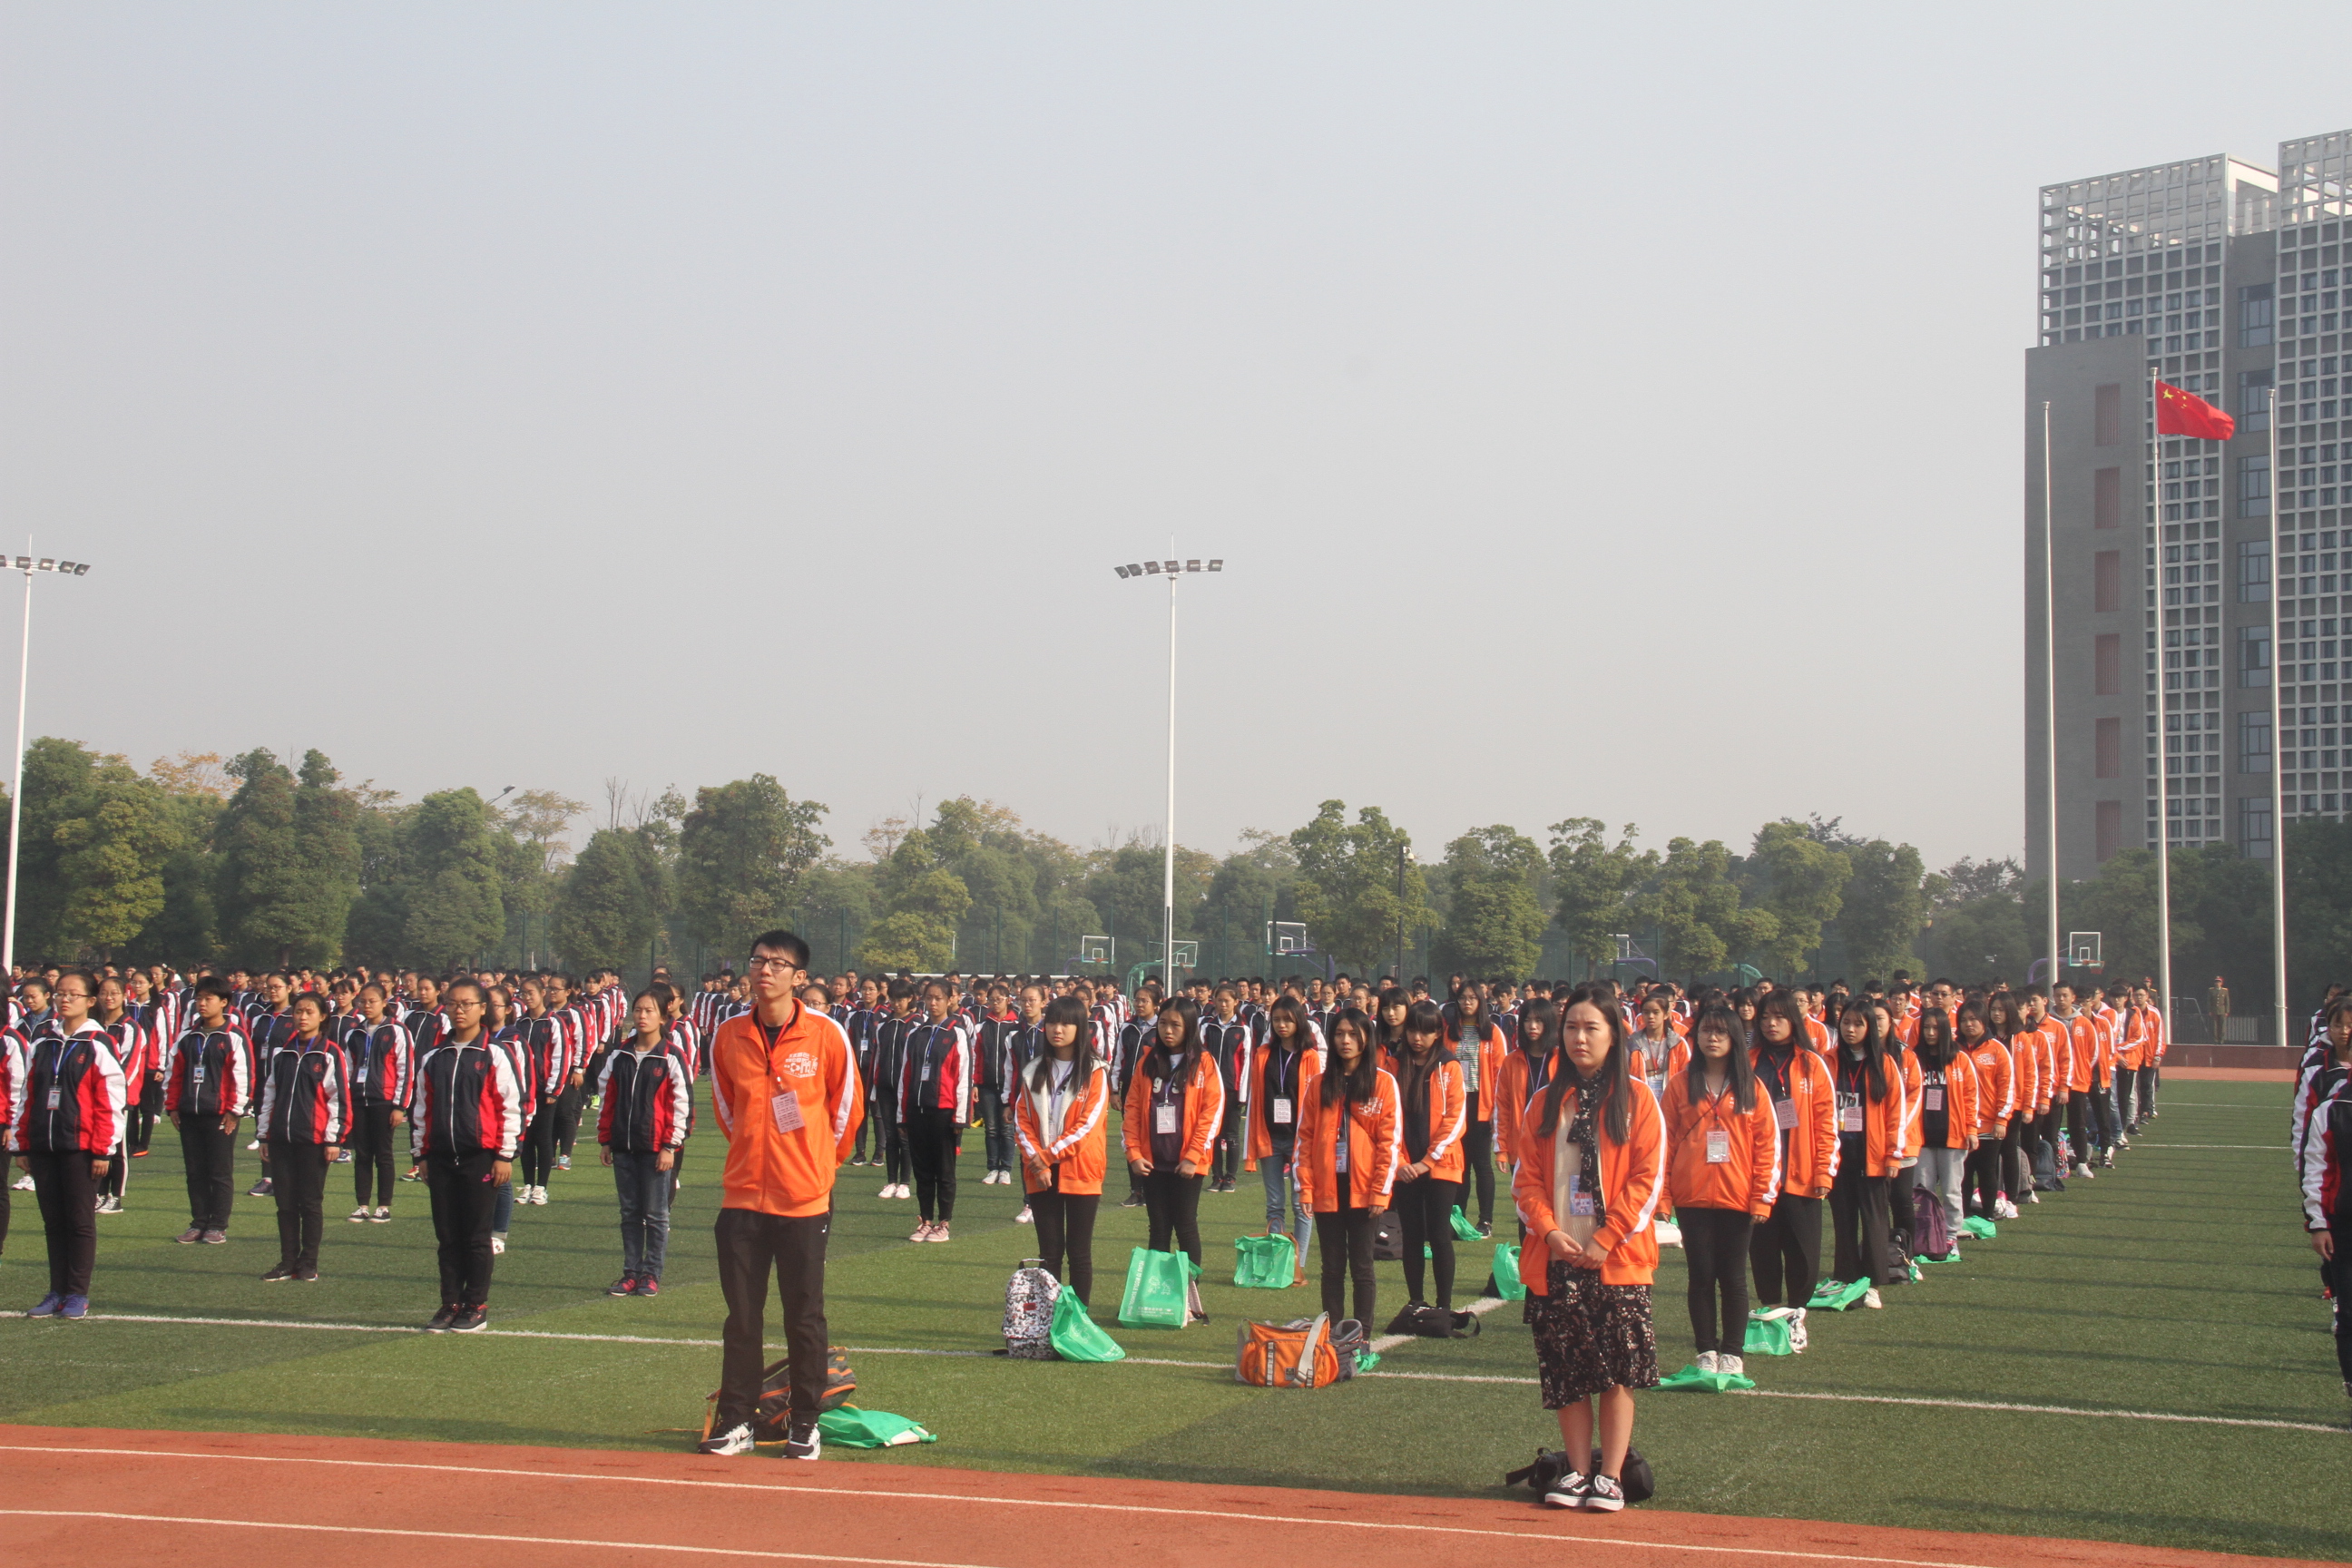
(1283, 1073)
(1980, 1189)
(1527, 1069)
(1175, 1104)
(1785, 1254)
(1479, 1046)
(1591, 1176)
(1347, 1160)
(1061, 1130)
(1947, 1114)
(1870, 1141)
(1721, 1156)
(1432, 1115)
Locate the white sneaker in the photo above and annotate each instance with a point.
(249, 1148)
(358, 1215)
(1707, 1362)
(1870, 1299)
(1731, 1366)
(538, 1197)
(498, 1245)
(2031, 1196)
(1024, 1216)
(922, 1232)
(905, 1192)
(23, 1183)
(736, 1440)
(2004, 1209)
(1798, 1338)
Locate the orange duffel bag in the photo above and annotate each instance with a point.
(1307, 1353)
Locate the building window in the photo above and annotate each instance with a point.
(2253, 486)
(2107, 581)
(2253, 315)
(2254, 742)
(2107, 497)
(2108, 666)
(2108, 416)
(2254, 827)
(2253, 571)
(2253, 656)
(2108, 829)
(2253, 400)
(2109, 748)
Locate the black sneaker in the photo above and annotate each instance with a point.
(1569, 1491)
(441, 1321)
(283, 1271)
(1132, 1201)
(627, 1285)
(259, 1189)
(735, 1440)
(470, 1321)
(1606, 1497)
(804, 1441)
(306, 1276)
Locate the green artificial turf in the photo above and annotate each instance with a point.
(2177, 1283)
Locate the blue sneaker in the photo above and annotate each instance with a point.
(48, 1307)
(75, 1307)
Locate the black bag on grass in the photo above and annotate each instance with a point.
(1434, 1324)
(1640, 1483)
(769, 1418)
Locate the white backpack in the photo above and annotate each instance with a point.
(1029, 1298)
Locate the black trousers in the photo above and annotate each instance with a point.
(298, 1182)
(1425, 1209)
(1715, 1245)
(538, 1151)
(464, 1201)
(1225, 1159)
(210, 1156)
(143, 1112)
(1980, 1179)
(1858, 1217)
(2148, 1077)
(931, 1149)
(1345, 1237)
(890, 1142)
(68, 1193)
(567, 1117)
(1478, 1164)
(1786, 1250)
(118, 1172)
(2336, 1275)
(752, 1247)
(1173, 1203)
(374, 1141)
(1066, 1237)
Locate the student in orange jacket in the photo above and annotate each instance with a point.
(1723, 1159)
(1948, 1115)
(1869, 1091)
(1175, 1107)
(785, 1088)
(1980, 1188)
(1480, 1046)
(1787, 1248)
(1527, 1069)
(1348, 1153)
(1282, 1070)
(1432, 1114)
(1592, 1172)
(1653, 1042)
(1061, 1129)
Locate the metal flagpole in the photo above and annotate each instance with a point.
(2050, 694)
(1168, 874)
(2278, 748)
(16, 791)
(2164, 741)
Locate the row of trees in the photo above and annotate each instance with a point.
(258, 860)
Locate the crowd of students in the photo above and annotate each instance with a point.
(1733, 1121)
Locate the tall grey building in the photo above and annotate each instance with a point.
(2224, 278)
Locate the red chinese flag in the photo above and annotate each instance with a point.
(2179, 413)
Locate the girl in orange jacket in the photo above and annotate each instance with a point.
(1981, 1189)
(1175, 1107)
(1527, 1069)
(1653, 1043)
(1348, 1157)
(1432, 1114)
(1869, 1091)
(1591, 1171)
(1723, 1159)
(1282, 1073)
(1786, 1250)
(1061, 1116)
(1948, 1115)
(1480, 1046)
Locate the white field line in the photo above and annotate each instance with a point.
(1486, 1304)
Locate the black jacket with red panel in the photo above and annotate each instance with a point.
(305, 1093)
(383, 1062)
(648, 1099)
(467, 1101)
(73, 1094)
(207, 1075)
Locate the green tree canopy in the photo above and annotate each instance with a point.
(454, 908)
(1799, 882)
(741, 852)
(605, 917)
(1885, 910)
(1591, 880)
(1347, 887)
(1493, 926)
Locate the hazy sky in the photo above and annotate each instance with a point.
(1600, 413)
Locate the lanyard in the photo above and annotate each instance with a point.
(769, 1045)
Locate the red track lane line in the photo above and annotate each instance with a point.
(876, 1494)
(477, 1535)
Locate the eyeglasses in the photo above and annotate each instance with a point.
(757, 963)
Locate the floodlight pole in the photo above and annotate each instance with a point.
(28, 564)
(1168, 862)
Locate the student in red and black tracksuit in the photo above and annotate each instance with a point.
(1134, 1035)
(998, 1079)
(205, 1093)
(269, 1025)
(889, 1058)
(384, 1066)
(66, 1131)
(863, 1026)
(466, 1120)
(1225, 1034)
(14, 1063)
(1007, 1048)
(306, 1114)
(647, 1097)
(935, 1095)
(128, 1041)
(502, 1024)
(549, 1046)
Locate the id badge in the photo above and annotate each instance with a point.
(1281, 1113)
(1849, 1118)
(786, 1109)
(1718, 1148)
(1163, 1118)
(1784, 1115)
(196, 1073)
(1579, 1202)
(1934, 1100)
(57, 1097)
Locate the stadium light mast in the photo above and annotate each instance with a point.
(28, 564)
(1171, 568)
